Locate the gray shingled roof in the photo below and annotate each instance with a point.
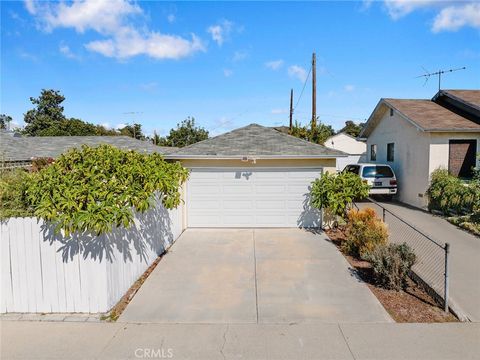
(254, 140)
(17, 148)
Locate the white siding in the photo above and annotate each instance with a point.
(45, 272)
(411, 156)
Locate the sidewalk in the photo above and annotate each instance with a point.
(464, 256)
(60, 340)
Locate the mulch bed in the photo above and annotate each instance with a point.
(412, 305)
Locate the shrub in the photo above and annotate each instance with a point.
(336, 192)
(97, 188)
(13, 202)
(448, 193)
(391, 265)
(365, 232)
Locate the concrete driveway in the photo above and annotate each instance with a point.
(253, 276)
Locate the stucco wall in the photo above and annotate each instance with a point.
(439, 148)
(411, 156)
(328, 165)
(346, 144)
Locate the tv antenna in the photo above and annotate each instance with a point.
(439, 73)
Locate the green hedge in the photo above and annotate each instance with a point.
(95, 189)
(449, 194)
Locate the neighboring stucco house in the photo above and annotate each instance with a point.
(253, 176)
(355, 148)
(416, 137)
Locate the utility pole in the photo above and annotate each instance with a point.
(291, 109)
(314, 91)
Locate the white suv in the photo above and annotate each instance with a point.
(380, 177)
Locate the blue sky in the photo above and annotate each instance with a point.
(229, 64)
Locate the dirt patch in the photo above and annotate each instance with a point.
(412, 305)
(118, 309)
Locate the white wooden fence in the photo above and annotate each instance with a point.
(45, 272)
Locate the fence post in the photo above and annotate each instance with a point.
(383, 214)
(445, 294)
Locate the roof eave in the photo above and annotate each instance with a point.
(256, 157)
(453, 130)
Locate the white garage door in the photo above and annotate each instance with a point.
(251, 198)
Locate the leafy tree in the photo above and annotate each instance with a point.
(47, 118)
(351, 128)
(5, 121)
(134, 131)
(317, 135)
(336, 192)
(185, 134)
(94, 189)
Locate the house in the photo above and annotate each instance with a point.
(416, 137)
(253, 176)
(17, 149)
(355, 148)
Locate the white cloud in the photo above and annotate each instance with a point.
(274, 64)
(239, 55)
(67, 52)
(106, 125)
(227, 72)
(171, 18)
(451, 15)
(298, 72)
(120, 126)
(399, 8)
(349, 88)
(220, 32)
(455, 17)
(279, 111)
(112, 19)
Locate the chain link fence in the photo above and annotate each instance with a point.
(431, 267)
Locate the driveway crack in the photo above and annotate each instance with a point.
(346, 342)
(224, 341)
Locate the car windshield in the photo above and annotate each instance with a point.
(377, 172)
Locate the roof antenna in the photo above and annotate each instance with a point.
(439, 73)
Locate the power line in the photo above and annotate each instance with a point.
(303, 89)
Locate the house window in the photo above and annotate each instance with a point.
(390, 151)
(373, 152)
(462, 157)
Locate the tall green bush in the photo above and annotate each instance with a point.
(13, 202)
(448, 193)
(335, 192)
(97, 188)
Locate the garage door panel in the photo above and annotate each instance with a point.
(236, 204)
(250, 198)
